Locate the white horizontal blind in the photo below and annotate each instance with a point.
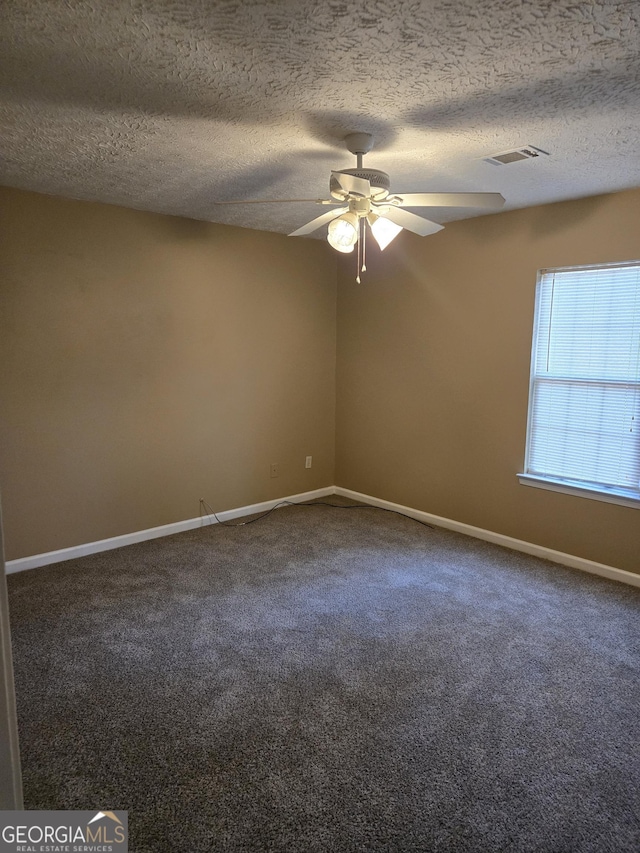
(584, 405)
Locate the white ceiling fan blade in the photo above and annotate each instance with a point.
(492, 201)
(279, 201)
(318, 221)
(353, 184)
(417, 224)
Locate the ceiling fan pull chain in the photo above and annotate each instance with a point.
(362, 251)
(364, 245)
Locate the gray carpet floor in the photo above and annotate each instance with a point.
(332, 680)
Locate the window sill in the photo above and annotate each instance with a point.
(566, 487)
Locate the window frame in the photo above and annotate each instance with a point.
(593, 491)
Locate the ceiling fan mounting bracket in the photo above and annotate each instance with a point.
(359, 143)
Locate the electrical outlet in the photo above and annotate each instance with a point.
(275, 469)
(307, 463)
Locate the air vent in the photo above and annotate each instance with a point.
(514, 156)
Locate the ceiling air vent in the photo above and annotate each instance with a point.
(507, 157)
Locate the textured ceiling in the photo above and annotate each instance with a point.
(170, 106)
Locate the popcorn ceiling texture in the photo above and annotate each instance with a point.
(170, 106)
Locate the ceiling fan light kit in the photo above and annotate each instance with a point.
(368, 195)
(383, 230)
(342, 232)
(366, 199)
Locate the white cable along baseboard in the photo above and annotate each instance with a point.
(46, 559)
(500, 539)
(459, 527)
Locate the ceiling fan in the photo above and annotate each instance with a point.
(362, 196)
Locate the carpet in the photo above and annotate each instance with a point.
(332, 679)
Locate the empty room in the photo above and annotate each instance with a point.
(320, 425)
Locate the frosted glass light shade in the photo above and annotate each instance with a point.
(343, 232)
(384, 231)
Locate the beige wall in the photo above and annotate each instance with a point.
(433, 372)
(147, 361)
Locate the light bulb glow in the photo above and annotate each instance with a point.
(344, 249)
(343, 232)
(384, 230)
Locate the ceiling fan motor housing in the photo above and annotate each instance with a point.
(380, 183)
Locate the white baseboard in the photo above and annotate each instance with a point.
(46, 559)
(573, 562)
(500, 539)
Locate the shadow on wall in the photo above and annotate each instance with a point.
(531, 222)
(182, 228)
(551, 219)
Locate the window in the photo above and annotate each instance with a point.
(583, 433)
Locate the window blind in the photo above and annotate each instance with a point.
(584, 403)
